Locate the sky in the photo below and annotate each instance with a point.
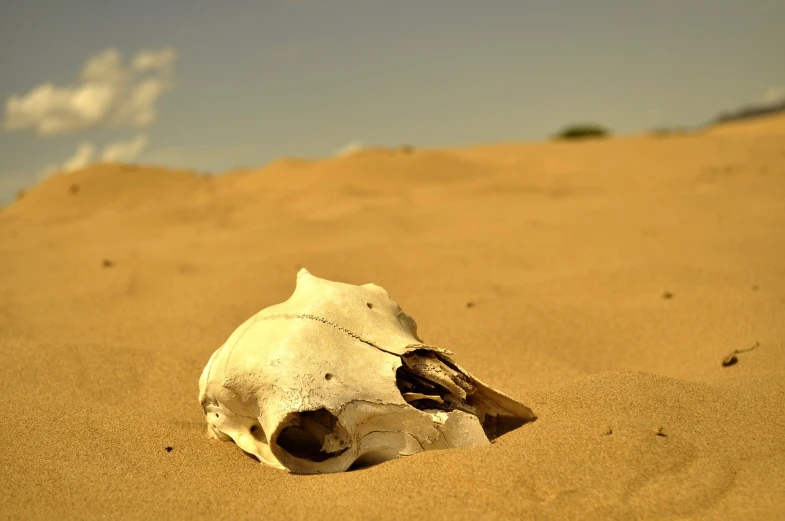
(214, 86)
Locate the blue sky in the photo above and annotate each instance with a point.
(238, 84)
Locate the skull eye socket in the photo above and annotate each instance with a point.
(314, 436)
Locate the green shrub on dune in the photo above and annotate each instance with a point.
(582, 131)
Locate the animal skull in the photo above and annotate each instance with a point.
(337, 376)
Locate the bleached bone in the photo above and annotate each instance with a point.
(336, 376)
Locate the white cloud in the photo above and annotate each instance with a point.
(124, 151)
(82, 157)
(106, 65)
(138, 109)
(107, 93)
(160, 60)
(87, 153)
(774, 95)
(349, 149)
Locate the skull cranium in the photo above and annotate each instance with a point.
(337, 376)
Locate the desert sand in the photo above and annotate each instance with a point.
(602, 283)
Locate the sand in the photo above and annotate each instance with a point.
(602, 283)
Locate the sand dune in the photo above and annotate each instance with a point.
(607, 282)
(772, 124)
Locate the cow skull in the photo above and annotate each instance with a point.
(336, 376)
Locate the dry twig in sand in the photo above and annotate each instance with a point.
(732, 359)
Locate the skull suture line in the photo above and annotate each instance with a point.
(337, 376)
